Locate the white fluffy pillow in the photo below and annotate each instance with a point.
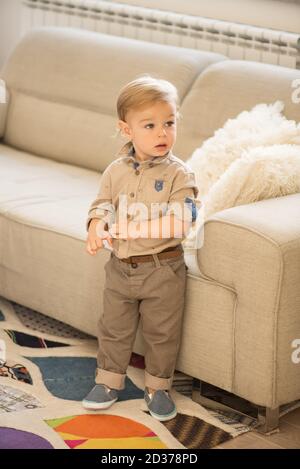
(260, 173)
(262, 125)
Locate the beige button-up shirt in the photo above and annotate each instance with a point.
(160, 181)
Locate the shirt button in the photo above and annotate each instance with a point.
(131, 194)
(129, 216)
(137, 172)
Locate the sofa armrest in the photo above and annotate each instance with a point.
(255, 249)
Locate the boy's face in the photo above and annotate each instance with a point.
(152, 129)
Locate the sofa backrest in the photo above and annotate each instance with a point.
(64, 82)
(229, 87)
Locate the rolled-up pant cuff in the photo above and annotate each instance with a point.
(111, 379)
(157, 383)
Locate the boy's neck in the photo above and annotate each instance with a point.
(138, 158)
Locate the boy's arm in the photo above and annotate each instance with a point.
(102, 208)
(167, 226)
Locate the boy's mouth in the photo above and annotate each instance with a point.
(163, 145)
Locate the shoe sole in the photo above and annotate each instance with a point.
(98, 406)
(163, 418)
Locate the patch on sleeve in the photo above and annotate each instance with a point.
(192, 206)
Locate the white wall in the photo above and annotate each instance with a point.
(10, 26)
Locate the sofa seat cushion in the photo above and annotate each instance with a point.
(45, 193)
(43, 262)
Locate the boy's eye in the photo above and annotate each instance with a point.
(169, 123)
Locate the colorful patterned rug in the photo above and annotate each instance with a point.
(47, 367)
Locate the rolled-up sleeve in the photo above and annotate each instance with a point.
(102, 205)
(183, 201)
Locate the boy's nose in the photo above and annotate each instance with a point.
(162, 131)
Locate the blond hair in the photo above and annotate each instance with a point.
(144, 90)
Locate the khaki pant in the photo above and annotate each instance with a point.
(154, 292)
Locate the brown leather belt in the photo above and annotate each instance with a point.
(174, 251)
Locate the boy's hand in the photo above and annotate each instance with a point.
(96, 235)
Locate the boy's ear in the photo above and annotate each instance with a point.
(124, 128)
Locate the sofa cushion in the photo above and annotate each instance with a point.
(43, 261)
(64, 84)
(45, 193)
(229, 87)
(86, 135)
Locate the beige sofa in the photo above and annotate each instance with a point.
(243, 309)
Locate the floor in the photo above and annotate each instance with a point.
(288, 436)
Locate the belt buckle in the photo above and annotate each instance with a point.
(133, 264)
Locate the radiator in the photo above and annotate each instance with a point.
(235, 40)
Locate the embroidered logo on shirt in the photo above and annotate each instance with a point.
(158, 185)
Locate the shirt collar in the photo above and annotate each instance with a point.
(130, 157)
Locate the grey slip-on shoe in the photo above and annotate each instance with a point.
(100, 397)
(160, 405)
